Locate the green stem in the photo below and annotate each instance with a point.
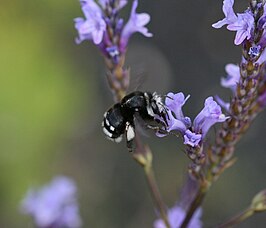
(193, 206)
(143, 156)
(237, 218)
(156, 194)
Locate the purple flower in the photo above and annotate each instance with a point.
(262, 20)
(210, 114)
(135, 23)
(94, 26)
(233, 77)
(191, 138)
(176, 216)
(222, 103)
(175, 124)
(243, 26)
(242, 23)
(261, 26)
(176, 120)
(54, 205)
(230, 16)
(175, 102)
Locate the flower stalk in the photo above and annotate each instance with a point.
(143, 156)
(112, 39)
(194, 206)
(247, 103)
(258, 204)
(237, 219)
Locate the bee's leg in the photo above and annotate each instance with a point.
(130, 135)
(157, 129)
(160, 130)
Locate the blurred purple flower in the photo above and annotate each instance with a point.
(135, 23)
(262, 20)
(233, 77)
(209, 115)
(262, 100)
(223, 104)
(176, 216)
(261, 26)
(94, 26)
(54, 205)
(262, 57)
(242, 23)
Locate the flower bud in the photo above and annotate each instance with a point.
(259, 201)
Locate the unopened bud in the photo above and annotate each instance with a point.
(259, 201)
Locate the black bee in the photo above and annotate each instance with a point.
(119, 119)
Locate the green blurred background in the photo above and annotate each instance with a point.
(53, 94)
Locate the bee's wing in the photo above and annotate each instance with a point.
(137, 80)
(141, 125)
(146, 127)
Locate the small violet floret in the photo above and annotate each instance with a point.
(242, 23)
(176, 216)
(254, 51)
(191, 138)
(135, 23)
(94, 26)
(209, 115)
(54, 205)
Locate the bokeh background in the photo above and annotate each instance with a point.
(53, 94)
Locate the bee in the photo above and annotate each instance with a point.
(120, 118)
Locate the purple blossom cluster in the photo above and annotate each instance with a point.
(250, 33)
(242, 23)
(193, 132)
(54, 205)
(176, 216)
(108, 31)
(246, 25)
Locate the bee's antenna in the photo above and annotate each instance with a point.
(165, 96)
